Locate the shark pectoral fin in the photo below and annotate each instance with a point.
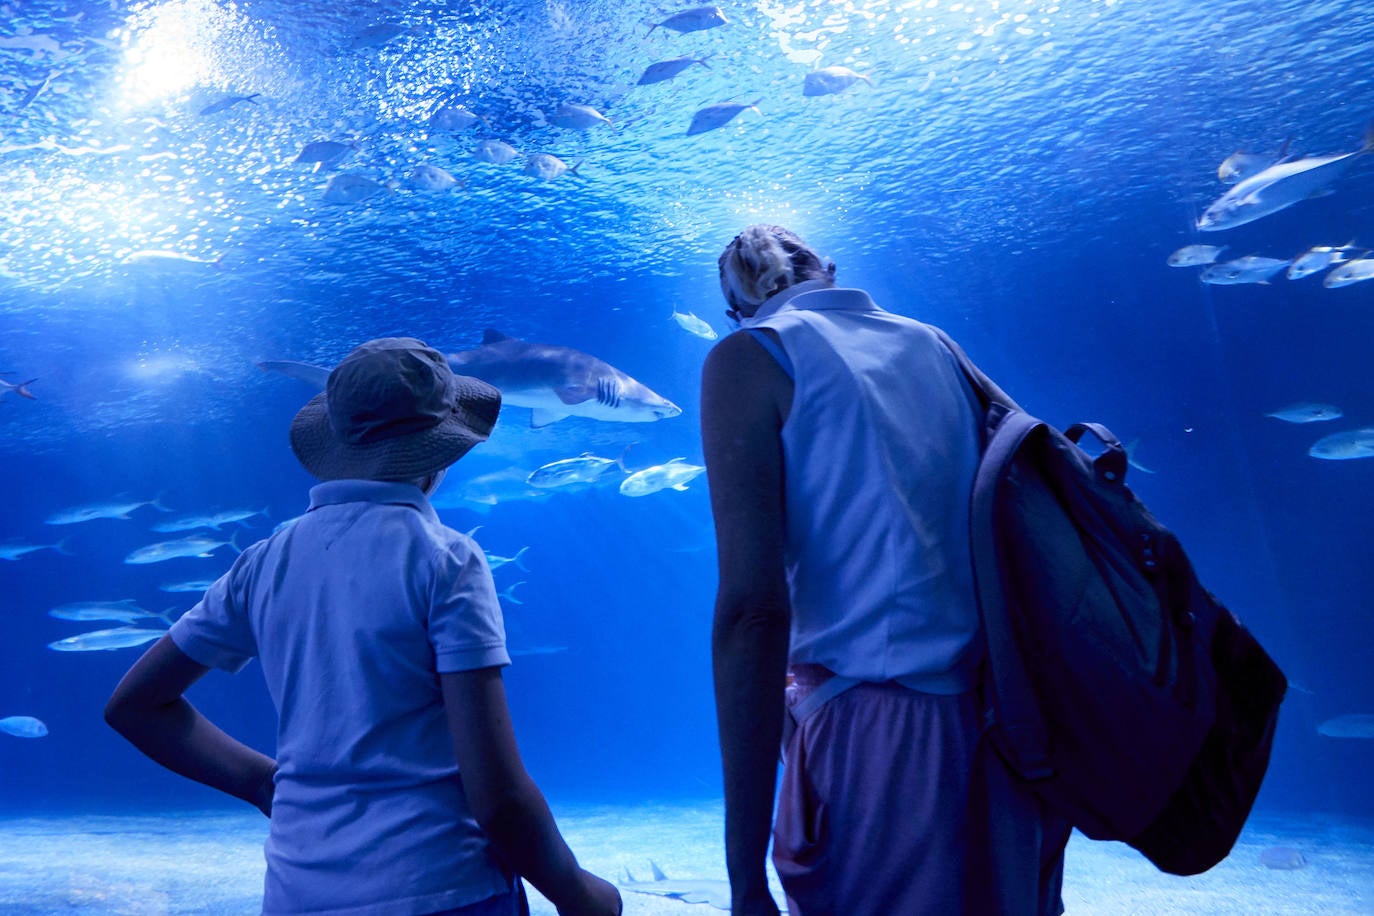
(680, 486)
(543, 416)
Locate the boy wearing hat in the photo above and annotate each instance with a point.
(397, 788)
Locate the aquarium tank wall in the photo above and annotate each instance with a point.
(1157, 215)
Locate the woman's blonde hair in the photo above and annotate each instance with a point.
(764, 260)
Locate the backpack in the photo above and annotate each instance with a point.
(1128, 698)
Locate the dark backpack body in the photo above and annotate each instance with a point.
(1130, 699)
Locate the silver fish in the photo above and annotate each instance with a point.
(485, 491)
(548, 166)
(191, 585)
(496, 152)
(1307, 412)
(1279, 186)
(673, 475)
(125, 610)
(585, 468)
(577, 117)
(693, 20)
(102, 640)
(193, 546)
(1318, 258)
(19, 388)
(1241, 165)
(830, 80)
(496, 562)
(325, 154)
(1350, 272)
(1249, 269)
(23, 727)
(228, 102)
(693, 325)
(431, 178)
(1351, 725)
(667, 69)
(1344, 446)
(350, 188)
(453, 116)
(192, 522)
(1195, 255)
(15, 551)
(718, 115)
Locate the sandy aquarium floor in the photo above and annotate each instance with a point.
(211, 863)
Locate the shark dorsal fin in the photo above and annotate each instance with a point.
(658, 872)
(491, 335)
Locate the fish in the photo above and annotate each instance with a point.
(1241, 165)
(509, 592)
(1345, 446)
(548, 166)
(193, 546)
(577, 117)
(1350, 725)
(191, 522)
(1249, 269)
(163, 259)
(496, 152)
(692, 20)
(557, 382)
(830, 80)
(125, 610)
(667, 69)
(325, 154)
(91, 511)
(673, 475)
(1307, 412)
(495, 562)
(694, 325)
(1195, 255)
(453, 116)
(228, 102)
(1282, 858)
(374, 36)
(103, 640)
(1278, 187)
(1350, 272)
(718, 115)
(23, 727)
(585, 468)
(20, 388)
(15, 551)
(485, 491)
(553, 381)
(431, 178)
(190, 585)
(713, 892)
(350, 188)
(1318, 258)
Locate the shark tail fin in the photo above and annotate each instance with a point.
(157, 503)
(516, 559)
(620, 462)
(509, 593)
(658, 872)
(234, 542)
(166, 616)
(62, 548)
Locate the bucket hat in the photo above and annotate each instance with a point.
(392, 410)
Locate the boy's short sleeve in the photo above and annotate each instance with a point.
(216, 631)
(465, 624)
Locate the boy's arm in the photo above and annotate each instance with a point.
(505, 801)
(149, 710)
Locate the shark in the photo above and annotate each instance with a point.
(553, 381)
(690, 890)
(557, 382)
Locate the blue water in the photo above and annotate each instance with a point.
(1017, 173)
